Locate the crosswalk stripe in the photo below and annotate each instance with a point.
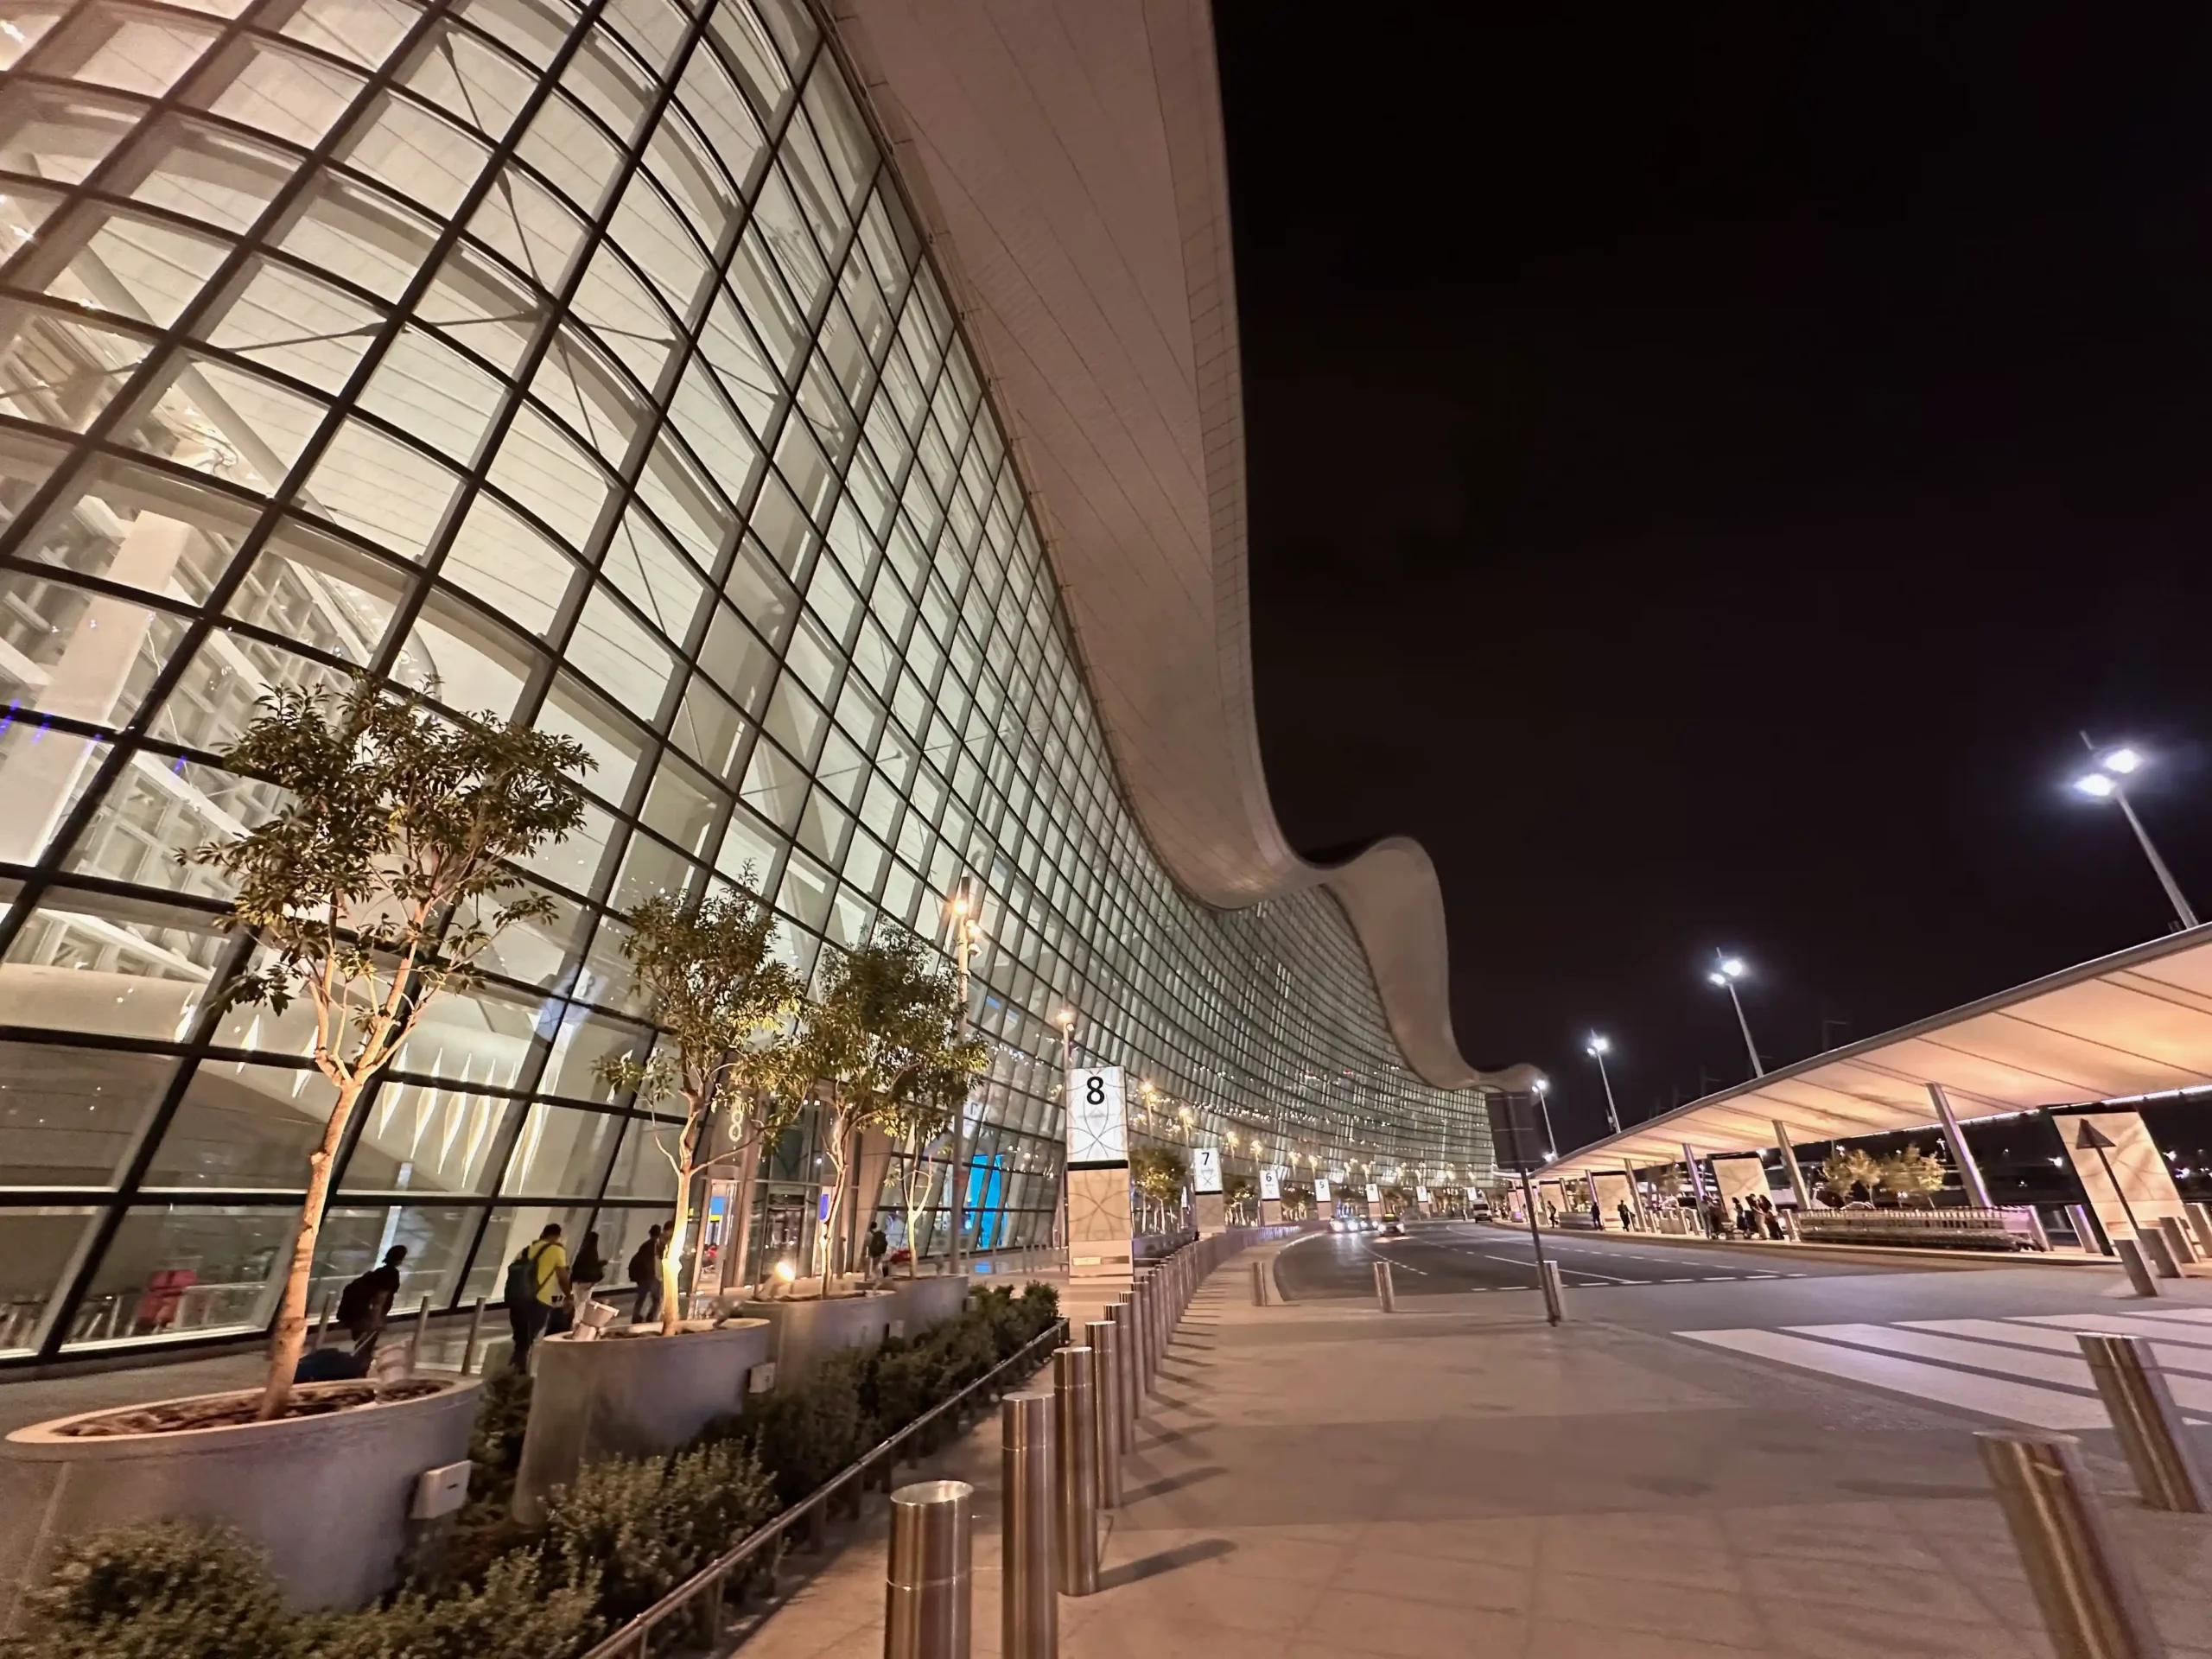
(2170, 1356)
(2117, 1324)
(2187, 1315)
(1992, 1396)
(2036, 1367)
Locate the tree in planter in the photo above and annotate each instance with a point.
(1912, 1174)
(880, 1049)
(928, 1110)
(1845, 1168)
(1240, 1196)
(723, 1002)
(375, 888)
(1160, 1174)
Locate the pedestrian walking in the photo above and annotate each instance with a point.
(538, 1280)
(1628, 1217)
(365, 1304)
(584, 1275)
(644, 1274)
(878, 1242)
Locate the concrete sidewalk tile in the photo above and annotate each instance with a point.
(1554, 1638)
(1429, 1579)
(1391, 1626)
(1660, 1609)
(1898, 1633)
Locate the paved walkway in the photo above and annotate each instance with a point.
(1326, 1480)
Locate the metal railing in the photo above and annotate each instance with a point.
(703, 1595)
(2006, 1229)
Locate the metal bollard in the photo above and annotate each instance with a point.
(2085, 1230)
(1386, 1289)
(1106, 1386)
(1029, 1612)
(1076, 1435)
(2088, 1598)
(2177, 1239)
(415, 1340)
(2158, 1253)
(1259, 1284)
(1555, 1289)
(2200, 1217)
(468, 1355)
(2148, 1424)
(928, 1595)
(1143, 1307)
(1125, 1376)
(2139, 1276)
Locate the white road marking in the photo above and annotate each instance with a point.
(2170, 1356)
(2018, 1402)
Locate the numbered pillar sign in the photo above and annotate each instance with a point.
(1096, 1134)
(1271, 1184)
(1205, 1169)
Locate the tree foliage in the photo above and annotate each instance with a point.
(1911, 1174)
(721, 1001)
(881, 1049)
(1845, 1167)
(1160, 1174)
(376, 886)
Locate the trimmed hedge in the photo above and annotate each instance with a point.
(623, 1536)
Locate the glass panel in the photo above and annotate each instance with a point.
(71, 1116)
(241, 1125)
(644, 1169)
(175, 1270)
(123, 967)
(511, 1228)
(38, 1249)
(354, 1238)
(561, 1152)
(423, 1137)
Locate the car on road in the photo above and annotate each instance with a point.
(1393, 1229)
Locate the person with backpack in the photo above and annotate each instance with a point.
(878, 1242)
(644, 1274)
(365, 1304)
(537, 1279)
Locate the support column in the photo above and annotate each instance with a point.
(1635, 1195)
(1977, 1190)
(1697, 1176)
(1791, 1166)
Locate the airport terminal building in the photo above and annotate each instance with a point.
(829, 415)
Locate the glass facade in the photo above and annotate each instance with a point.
(580, 364)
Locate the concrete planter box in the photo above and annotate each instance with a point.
(627, 1397)
(809, 1327)
(925, 1302)
(327, 1497)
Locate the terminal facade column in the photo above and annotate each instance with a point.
(1977, 1190)
(1791, 1166)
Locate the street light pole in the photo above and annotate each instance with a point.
(1544, 1104)
(1598, 1049)
(1725, 972)
(2105, 783)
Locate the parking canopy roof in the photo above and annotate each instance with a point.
(2135, 1024)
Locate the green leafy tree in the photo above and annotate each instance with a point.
(1240, 1196)
(1845, 1167)
(1160, 1174)
(375, 887)
(882, 1049)
(1912, 1173)
(722, 1002)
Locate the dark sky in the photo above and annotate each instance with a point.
(1707, 464)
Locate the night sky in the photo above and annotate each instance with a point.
(1707, 465)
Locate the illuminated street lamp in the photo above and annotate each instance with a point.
(1544, 1104)
(1597, 1049)
(2105, 783)
(1727, 971)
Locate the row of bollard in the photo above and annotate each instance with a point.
(1060, 1461)
(2086, 1590)
(1386, 1289)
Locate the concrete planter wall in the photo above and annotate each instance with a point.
(924, 1302)
(627, 1397)
(807, 1329)
(327, 1497)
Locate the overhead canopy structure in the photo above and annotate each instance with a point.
(2135, 1024)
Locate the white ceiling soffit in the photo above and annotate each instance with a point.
(1066, 158)
(2137, 1023)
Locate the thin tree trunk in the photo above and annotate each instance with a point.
(914, 1194)
(290, 1333)
(671, 1257)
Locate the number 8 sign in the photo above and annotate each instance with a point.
(1095, 1132)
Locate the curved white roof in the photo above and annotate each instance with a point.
(1067, 156)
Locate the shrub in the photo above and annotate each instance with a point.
(525, 1609)
(806, 1432)
(632, 1530)
(169, 1590)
